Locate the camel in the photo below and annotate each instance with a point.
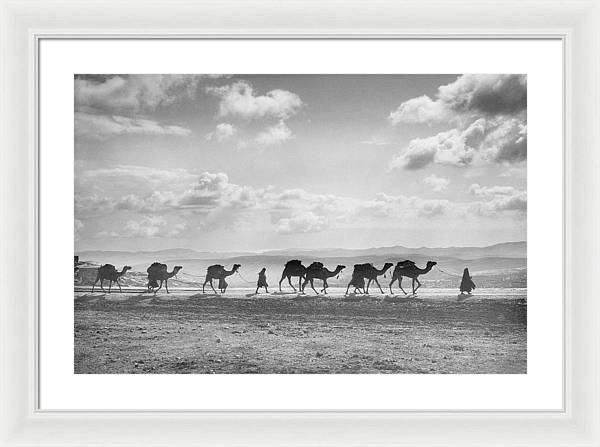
(396, 275)
(366, 271)
(317, 271)
(158, 272)
(410, 270)
(293, 268)
(218, 272)
(108, 271)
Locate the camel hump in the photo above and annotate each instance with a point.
(216, 267)
(156, 267)
(362, 266)
(293, 263)
(407, 263)
(108, 268)
(316, 266)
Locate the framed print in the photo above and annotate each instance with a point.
(340, 228)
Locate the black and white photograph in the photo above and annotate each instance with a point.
(300, 223)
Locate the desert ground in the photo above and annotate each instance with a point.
(187, 331)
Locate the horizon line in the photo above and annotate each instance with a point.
(307, 249)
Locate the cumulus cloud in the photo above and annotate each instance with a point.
(146, 227)
(500, 198)
(470, 94)
(101, 127)
(483, 141)
(307, 222)
(239, 99)
(508, 142)
(210, 200)
(274, 135)
(222, 132)
(132, 93)
(454, 147)
(489, 115)
(405, 207)
(437, 184)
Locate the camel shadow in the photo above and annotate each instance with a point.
(206, 295)
(143, 297)
(394, 299)
(355, 297)
(88, 297)
(462, 297)
(305, 297)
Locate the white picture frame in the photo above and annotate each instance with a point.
(23, 24)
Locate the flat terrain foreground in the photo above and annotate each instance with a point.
(203, 334)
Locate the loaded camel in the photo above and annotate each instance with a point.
(317, 271)
(108, 271)
(410, 270)
(293, 268)
(369, 272)
(217, 271)
(158, 272)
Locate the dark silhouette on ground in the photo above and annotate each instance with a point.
(217, 271)
(158, 272)
(293, 268)
(262, 281)
(467, 284)
(368, 272)
(318, 271)
(411, 271)
(108, 271)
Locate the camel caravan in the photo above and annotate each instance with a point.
(363, 275)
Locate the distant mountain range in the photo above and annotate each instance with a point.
(503, 250)
(513, 253)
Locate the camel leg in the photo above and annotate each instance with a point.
(418, 285)
(205, 281)
(400, 285)
(167, 285)
(119, 284)
(300, 282)
(211, 286)
(280, 281)
(94, 285)
(109, 285)
(290, 281)
(102, 285)
(368, 284)
(378, 285)
(304, 285)
(348, 288)
(392, 282)
(312, 286)
(325, 285)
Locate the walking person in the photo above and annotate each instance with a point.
(222, 285)
(467, 284)
(262, 281)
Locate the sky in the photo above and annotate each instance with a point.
(259, 162)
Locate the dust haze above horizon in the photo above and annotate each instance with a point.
(263, 162)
